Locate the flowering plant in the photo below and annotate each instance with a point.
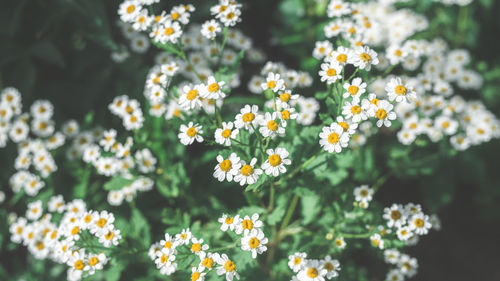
(204, 178)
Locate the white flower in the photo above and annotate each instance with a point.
(354, 89)
(395, 215)
(352, 110)
(340, 243)
(188, 134)
(399, 92)
(330, 72)
(247, 224)
(363, 193)
(347, 125)
(95, 262)
(276, 161)
(197, 246)
(420, 224)
(248, 174)
(297, 261)
(213, 89)
(228, 222)
(332, 267)
(34, 210)
(312, 271)
(391, 256)
(168, 32)
(394, 275)
(273, 82)
(333, 138)
(377, 241)
(210, 28)
(404, 233)
(248, 118)
(383, 111)
(322, 49)
(364, 58)
(227, 168)
(110, 237)
(227, 267)
(226, 133)
(255, 242)
(408, 265)
(56, 204)
(269, 126)
(190, 97)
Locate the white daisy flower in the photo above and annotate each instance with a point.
(227, 267)
(248, 118)
(273, 82)
(332, 267)
(395, 215)
(364, 58)
(399, 92)
(226, 133)
(312, 271)
(377, 241)
(404, 233)
(363, 193)
(226, 169)
(213, 89)
(190, 97)
(188, 134)
(383, 112)
(255, 242)
(210, 28)
(248, 174)
(355, 88)
(276, 161)
(352, 110)
(330, 72)
(269, 126)
(420, 224)
(333, 138)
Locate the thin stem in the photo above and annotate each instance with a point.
(289, 212)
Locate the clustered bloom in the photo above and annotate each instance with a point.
(58, 242)
(312, 269)
(253, 239)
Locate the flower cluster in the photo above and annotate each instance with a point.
(70, 239)
(253, 239)
(128, 192)
(406, 266)
(312, 269)
(408, 220)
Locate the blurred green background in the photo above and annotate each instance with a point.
(60, 50)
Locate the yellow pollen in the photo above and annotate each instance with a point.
(229, 220)
(246, 170)
(342, 58)
(75, 230)
(365, 57)
(400, 90)
(226, 165)
(328, 266)
(175, 16)
(344, 126)
(226, 133)
(248, 117)
(356, 109)
(196, 247)
(253, 243)
(79, 265)
(169, 31)
(274, 160)
(93, 261)
(191, 132)
(285, 97)
(285, 114)
(192, 94)
(101, 222)
(130, 9)
(247, 224)
(381, 114)
(419, 223)
(312, 272)
(271, 84)
(353, 90)
(214, 87)
(272, 125)
(207, 262)
(333, 138)
(229, 266)
(195, 276)
(331, 72)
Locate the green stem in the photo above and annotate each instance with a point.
(355, 235)
(289, 212)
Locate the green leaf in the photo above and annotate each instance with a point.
(47, 51)
(139, 228)
(117, 183)
(279, 211)
(310, 207)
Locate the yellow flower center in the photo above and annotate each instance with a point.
(272, 125)
(344, 126)
(196, 247)
(207, 262)
(229, 266)
(246, 170)
(175, 16)
(312, 272)
(445, 124)
(101, 222)
(398, 53)
(248, 117)
(93, 261)
(214, 87)
(333, 138)
(75, 230)
(328, 266)
(297, 260)
(331, 72)
(400, 90)
(168, 245)
(419, 223)
(356, 109)
(247, 224)
(192, 94)
(365, 57)
(191, 132)
(169, 31)
(79, 265)
(353, 90)
(109, 235)
(229, 220)
(226, 133)
(381, 114)
(395, 215)
(253, 243)
(195, 276)
(226, 165)
(285, 97)
(271, 84)
(274, 160)
(285, 114)
(342, 58)
(130, 9)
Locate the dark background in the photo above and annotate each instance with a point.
(60, 50)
